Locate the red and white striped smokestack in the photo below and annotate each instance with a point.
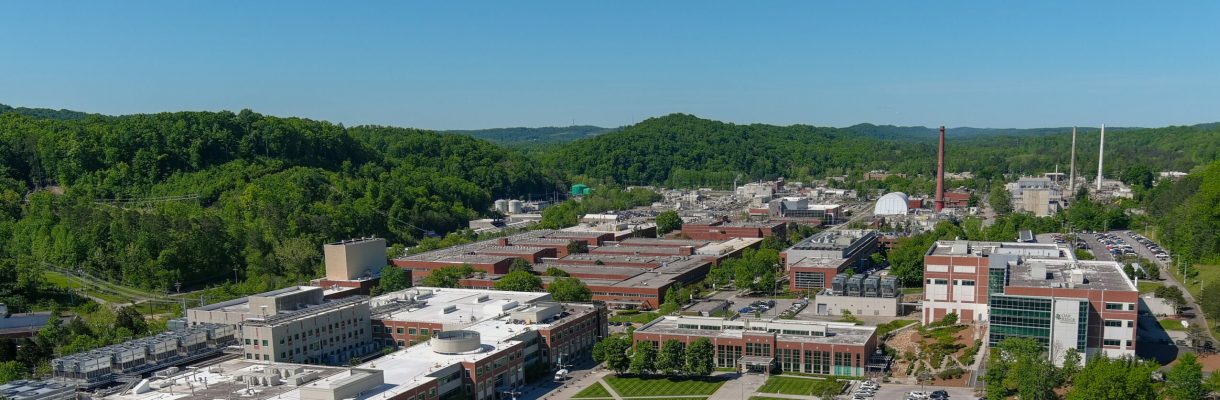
(940, 172)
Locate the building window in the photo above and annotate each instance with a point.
(1114, 323)
(1111, 342)
(966, 282)
(400, 331)
(423, 332)
(1114, 306)
(809, 280)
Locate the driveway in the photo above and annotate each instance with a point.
(895, 391)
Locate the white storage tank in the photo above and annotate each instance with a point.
(516, 206)
(502, 205)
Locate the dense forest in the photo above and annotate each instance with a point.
(684, 150)
(196, 197)
(1187, 215)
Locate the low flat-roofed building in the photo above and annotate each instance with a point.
(813, 347)
(616, 248)
(719, 229)
(353, 267)
(409, 316)
(1038, 291)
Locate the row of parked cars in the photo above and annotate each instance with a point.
(761, 305)
(865, 391)
(1114, 244)
(934, 395)
(1156, 249)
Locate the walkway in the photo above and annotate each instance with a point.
(738, 386)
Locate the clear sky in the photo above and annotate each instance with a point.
(461, 65)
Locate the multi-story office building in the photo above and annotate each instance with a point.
(295, 324)
(814, 347)
(1039, 291)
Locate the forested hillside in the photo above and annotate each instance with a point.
(535, 136)
(197, 197)
(683, 150)
(1187, 213)
(44, 112)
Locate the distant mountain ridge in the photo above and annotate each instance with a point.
(46, 113)
(521, 136)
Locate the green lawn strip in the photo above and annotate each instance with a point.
(641, 318)
(797, 386)
(1172, 325)
(594, 391)
(63, 281)
(661, 386)
(893, 326)
(912, 290)
(1148, 287)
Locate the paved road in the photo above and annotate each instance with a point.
(896, 391)
(1193, 306)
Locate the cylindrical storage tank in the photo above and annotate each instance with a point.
(516, 206)
(456, 342)
(502, 205)
(872, 286)
(838, 284)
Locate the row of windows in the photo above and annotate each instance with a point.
(1120, 306)
(1114, 342)
(1118, 323)
(809, 280)
(410, 331)
(618, 294)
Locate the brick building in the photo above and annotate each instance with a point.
(1039, 291)
(812, 347)
(718, 229)
(812, 263)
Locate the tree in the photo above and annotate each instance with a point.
(570, 289)
(11, 371)
(1001, 201)
(1071, 365)
(700, 357)
(614, 352)
(1185, 379)
(1019, 366)
(519, 281)
(672, 357)
(131, 319)
(1122, 378)
(392, 279)
(519, 264)
(448, 277)
(668, 221)
(577, 247)
(644, 359)
(1209, 300)
(1172, 294)
(553, 271)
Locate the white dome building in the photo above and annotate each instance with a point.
(893, 203)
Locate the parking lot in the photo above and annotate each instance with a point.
(895, 391)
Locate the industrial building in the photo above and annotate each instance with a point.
(812, 347)
(800, 208)
(353, 267)
(21, 325)
(1039, 291)
(475, 356)
(721, 229)
(132, 360)
(860, 294)
(295, 324)
(1039, 196)
(814, 262)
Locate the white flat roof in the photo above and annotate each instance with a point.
(461, 304)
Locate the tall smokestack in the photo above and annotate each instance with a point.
(1072, 172)
(940, 172)
(1101, 155)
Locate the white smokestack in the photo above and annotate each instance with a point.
(1101, 155)
(1072, 172)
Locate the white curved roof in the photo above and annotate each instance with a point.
(893, 203)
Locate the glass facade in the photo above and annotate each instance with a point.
(809, 280)
(727, 356)
(1013, 316)
(995, 280)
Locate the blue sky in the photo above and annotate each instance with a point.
(463, 65)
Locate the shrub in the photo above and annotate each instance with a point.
(951, 373)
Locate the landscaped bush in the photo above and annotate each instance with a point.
(951, 373)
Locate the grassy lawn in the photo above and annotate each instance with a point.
(639, 387)
(1148, 287)
(640, 318)
(65, 282)
(595, 391)
(1172, 325)
(912, 290)
(797, 386)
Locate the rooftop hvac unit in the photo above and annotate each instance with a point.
(872, 286)
(889, 287)
(855, 285)
(838, 284)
